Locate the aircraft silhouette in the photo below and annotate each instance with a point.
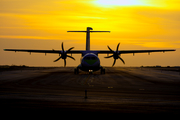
(90, 61)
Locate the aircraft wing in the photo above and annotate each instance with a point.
(116, 54)
(83, 51)
(135, 51)
(43, 51)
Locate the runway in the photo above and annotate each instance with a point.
(126, 90)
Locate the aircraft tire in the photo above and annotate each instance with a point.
(102, 71)
(76, 71)
(90, 73)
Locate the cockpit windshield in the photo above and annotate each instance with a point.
(90, 58)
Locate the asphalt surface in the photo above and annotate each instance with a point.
(119, 91)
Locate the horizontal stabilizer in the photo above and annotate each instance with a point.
(100, 31)
(76, 31)
(88, 31)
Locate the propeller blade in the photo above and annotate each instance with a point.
(70, 49)
(71, 57)
(62, 47)
(64, 62)
(117, 48)
(110, 49)
(121, 59)
(57, 59)
(114, 62)
(109, 56)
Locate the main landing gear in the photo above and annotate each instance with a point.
(76, 70)
(102, 70)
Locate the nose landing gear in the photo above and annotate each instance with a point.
(90, 72)
(76, 70)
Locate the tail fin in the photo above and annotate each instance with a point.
(88, 36)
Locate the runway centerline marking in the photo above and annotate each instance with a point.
(87, 80)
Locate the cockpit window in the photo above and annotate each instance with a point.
(90, 58)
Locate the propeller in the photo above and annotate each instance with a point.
(115, 55)
(64, 54)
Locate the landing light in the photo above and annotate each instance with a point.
(90, 70)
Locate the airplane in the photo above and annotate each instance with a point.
(89, 60)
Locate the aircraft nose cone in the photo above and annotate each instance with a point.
(90, 62)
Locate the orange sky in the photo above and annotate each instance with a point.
(136, 24)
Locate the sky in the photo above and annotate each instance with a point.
(135, 24)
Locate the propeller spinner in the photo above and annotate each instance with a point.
(115, 55)
(64, 54)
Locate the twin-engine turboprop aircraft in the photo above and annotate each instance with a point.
(90, 61)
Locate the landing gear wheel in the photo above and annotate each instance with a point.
(90, 73)
(76, 71)
(102, 71)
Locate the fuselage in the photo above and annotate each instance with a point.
(90, 62)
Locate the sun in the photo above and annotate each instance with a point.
(110, 3)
